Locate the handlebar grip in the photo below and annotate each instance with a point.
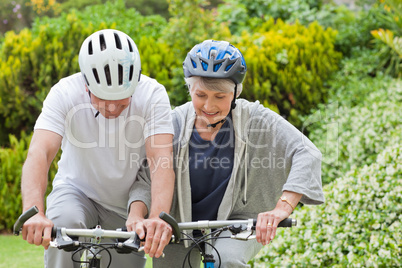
(169, 219)
(289, 222)
(23, 218)
(54, 232)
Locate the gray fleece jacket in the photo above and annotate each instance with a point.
(271, 156)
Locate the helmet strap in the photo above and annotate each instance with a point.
(97, 112)
(233, 105)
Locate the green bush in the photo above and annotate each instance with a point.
(389, 41)
(358, 226)
(244, 15)
(288, 66)
(353, 27)
(11, 161)
(360, 119)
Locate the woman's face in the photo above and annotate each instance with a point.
(210, 106)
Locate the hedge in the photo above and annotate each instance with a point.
(11, 161)
(359, 120)
(359, 224)
(288, 65)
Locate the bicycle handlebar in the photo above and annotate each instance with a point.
(177, 227)
(129, 235)
(176, 230)
(23, 218)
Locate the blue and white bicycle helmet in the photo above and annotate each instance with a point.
(110, 63)
(215, 59)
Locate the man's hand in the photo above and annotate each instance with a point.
(157, 234)
(38, 230)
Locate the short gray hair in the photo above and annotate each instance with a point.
(214, 84)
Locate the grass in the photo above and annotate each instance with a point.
(16, 252)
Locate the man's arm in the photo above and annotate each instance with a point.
(42, 150)
(159, 152)
(160, 160)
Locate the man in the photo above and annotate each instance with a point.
(107, 120)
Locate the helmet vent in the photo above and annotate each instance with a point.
(194, 64)
(90, 51)
(228, 67)
(204, 65)
(120, 74)
(107, 74)
(217, 66)
(102, 42)
(129, 46)
(117, 40)
(131, 72)
(95, 72)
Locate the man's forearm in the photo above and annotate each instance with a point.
(162, 187)
(160, 159)
(33, 185)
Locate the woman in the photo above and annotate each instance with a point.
(235, 159)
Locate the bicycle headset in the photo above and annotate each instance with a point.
(216, 59)
(110, 63)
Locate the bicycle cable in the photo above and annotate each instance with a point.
(203, 239)
(87, 246)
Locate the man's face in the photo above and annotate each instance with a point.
(110, 108)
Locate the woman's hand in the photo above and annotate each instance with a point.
(267, 222)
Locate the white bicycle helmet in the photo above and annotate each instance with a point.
(110, 63)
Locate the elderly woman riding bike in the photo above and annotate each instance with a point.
(235, 159)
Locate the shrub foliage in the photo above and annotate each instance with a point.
(288, 66)
(359, 120)
(11, 161)
(359, 224)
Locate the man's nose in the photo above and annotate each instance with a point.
(111, 107)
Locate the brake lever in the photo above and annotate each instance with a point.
(245, 234)
(63, 241)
